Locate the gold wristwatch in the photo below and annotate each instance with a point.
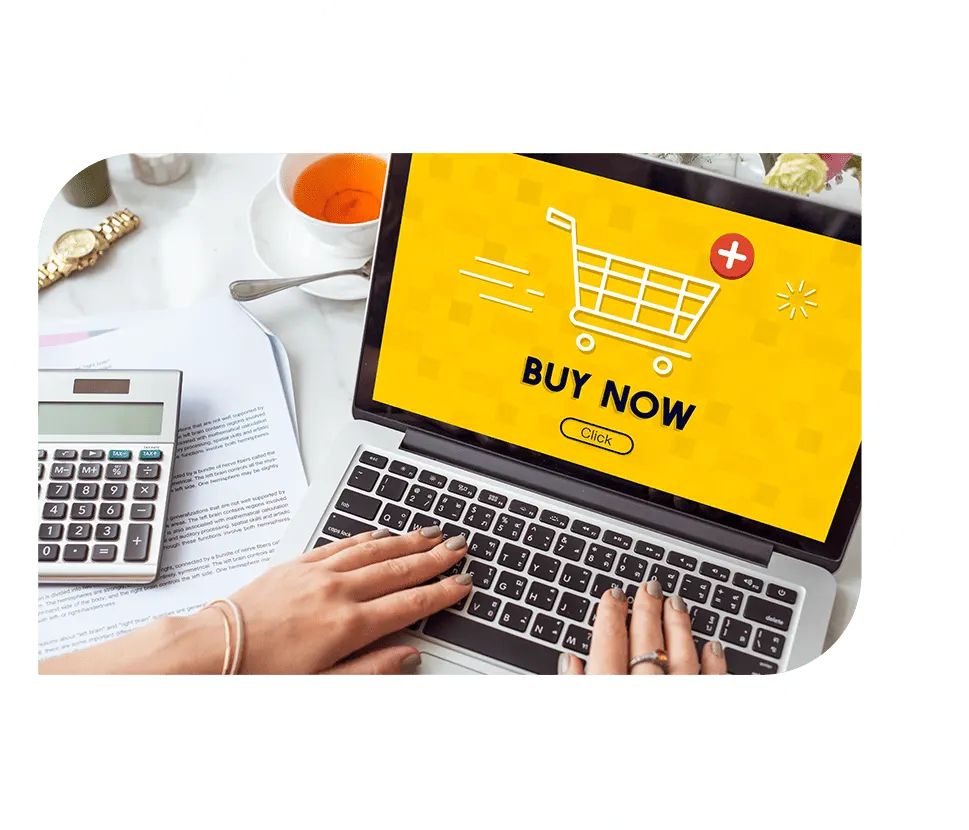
(79, 249)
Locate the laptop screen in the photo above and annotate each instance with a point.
(685, 347)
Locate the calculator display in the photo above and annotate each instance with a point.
(99, 418)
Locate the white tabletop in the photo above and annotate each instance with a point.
(194, 240)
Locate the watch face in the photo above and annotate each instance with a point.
(75, 244)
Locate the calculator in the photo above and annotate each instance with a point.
(105, 449)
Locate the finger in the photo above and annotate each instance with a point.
(327, 550)
(609, 653)
(570, 664)
(379, 548)
(712, 659)
(405, 571)
(679, 638)
(385, 615)
(646, 626)
(395, 660)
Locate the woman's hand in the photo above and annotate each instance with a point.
(654, 625)
(308, 615)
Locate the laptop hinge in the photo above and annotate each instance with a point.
(590, 496)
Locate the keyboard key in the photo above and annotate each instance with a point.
(769, 642)
(119, 455)
(459, 605)
(48, 553)
(145, 491)
(89, 471)
(449, 530)
(493, 499)
(739, 662)
(56, 490)
(61, 471)
(150, 455)
(681, 560)
(603, 583)
(357, 504)
(569, 547)
(372, 459)
(550, 517)
(107, 532)
(137, 542)
(649, 549)
(514, 617)
(86, 491)
(79, 531)
(727, 599)
(704, 620)
(92, 455)
(541, 596)
(484, 547)
(586, 529)
(788, 595)
(523, 508)
(573, 606)
(434, 479)
(75, 553)
(600, 557)
(456, 568)
(769, 613)
(420, 498)
(544, 567)
(513, 557)
(104, 553)
(699, 642)
(620, 540)
(491, 642)
(450, 507)
(694, 589)
(509, 527)
(751, 583)
(539, 537)
(482, 605)
(715, 571)
(402, 469)
(421, 521)
(482, 575)
(54, 510)
(65, 455)
(479, 517)
(394, 516)
(147, 472)
(666, 578)
(546, 628)
(632, 567)
(575, 578)
(49, 531)
(363, 478)
(82, 510)
(41, 455)
(40, 471)
(459, 488)
(342, 527)
(139, 512)
(510, 585)
(578, 639)
(118, 472)
(736, 632)
(392, 488)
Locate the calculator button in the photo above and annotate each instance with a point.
(75, 553)
(41, 455)
(119, 455)
(54, 510)
(88, 471)
(82, 510)
(149, 455)
(92, 455)
(50, 531)
(146, 491)
(86, 491)
(47, 553)
(79, 531)
(114, 492)
(136, 543)
(40, 471)
(148, 472)
(61, 471)
(65, 455)
(107, 533)
(117, 471)
(104, 553)
(142, 511)
(55, 490)
(113, 510)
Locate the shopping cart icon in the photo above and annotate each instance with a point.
(631, 300)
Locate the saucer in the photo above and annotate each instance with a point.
(288, 250)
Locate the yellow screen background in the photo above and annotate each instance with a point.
(778, 401)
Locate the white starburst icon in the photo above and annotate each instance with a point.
(796, 300)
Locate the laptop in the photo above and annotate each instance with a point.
(604, 369)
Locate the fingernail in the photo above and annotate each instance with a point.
(463, 579)
(717, 649)
(654, 589)
(380, 533)
(431, 532)
(564, 662)
(677, 603)
(410, 663)
(456, 543)
(617, 593)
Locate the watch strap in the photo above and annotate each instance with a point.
(48, 274)
(110, 230)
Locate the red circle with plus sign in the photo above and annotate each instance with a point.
(732, 256)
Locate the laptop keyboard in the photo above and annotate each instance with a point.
(539, 568)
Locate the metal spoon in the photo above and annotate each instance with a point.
(245, 290)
